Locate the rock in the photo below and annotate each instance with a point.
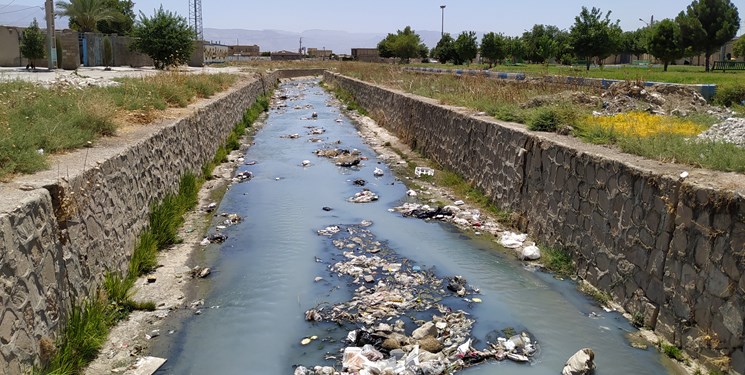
(581, 363)
(430, 344)
(327, 209)
(369, 279)
(426, 330)
(459, 203)
(390, 344)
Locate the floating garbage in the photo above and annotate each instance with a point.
(530, 252)
(215, 238)
(344, 158)
(378, 172)
(231, 219)
(305, 163)
(359, 182)
(210, 207)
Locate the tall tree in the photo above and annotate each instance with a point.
(665, 41)
(166, 37)
(32, 44)
(466, 47)
(85, 15)
(706, 25)
(445, 49)
(594, 35)
(493, 47)
(405, 44)
(515, 49)
(540, 43)
(635, 42)
(123, 20)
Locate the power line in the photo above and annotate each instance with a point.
(8, 4)
(20, 10)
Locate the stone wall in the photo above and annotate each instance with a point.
(670, 250)
(62, 229)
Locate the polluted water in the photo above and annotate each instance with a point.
(323, 275)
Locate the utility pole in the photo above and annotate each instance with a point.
(442, 30)
(300, 50)
(51, 50)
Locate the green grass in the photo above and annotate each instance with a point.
(463, 188)
(673, 351)
(558, 260)
(34, 118)
(348, 99)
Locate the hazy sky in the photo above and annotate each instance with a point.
(509, 17)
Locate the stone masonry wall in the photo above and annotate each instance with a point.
(670, 250)
(62, 229)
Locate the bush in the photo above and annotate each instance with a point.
(729, 95)
(544, 120)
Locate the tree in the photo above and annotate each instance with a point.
(405, 44)
(493, 48)
(739, 48)
(540, 43)
(32, 43)
(706, 25)
(665, 42)
(85, 15)
(635, 42)
(123, 20)
(166, 37)
(445, 49)
(466, 47)
(515, 49)
(594, 35)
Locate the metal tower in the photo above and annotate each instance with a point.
(195, 18)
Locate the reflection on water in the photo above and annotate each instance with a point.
(263, 279)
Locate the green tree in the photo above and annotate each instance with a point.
(706, 25)
(84, 15)
(32, 43)
(466, 47)
(445, 49)
(493, 48)
(594, 35)
(166, 37)
(665, 42)
(540, 43)
(405, 44)
(108, 53)
(739, 48)
(635, 42)
(123, 20)
(515, 49)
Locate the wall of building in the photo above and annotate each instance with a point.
(60, 234)
(670, 250)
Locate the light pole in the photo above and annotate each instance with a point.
(442, 30)
(51, 51)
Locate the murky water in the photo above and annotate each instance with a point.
(263, 275)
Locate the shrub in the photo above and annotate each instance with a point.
(545, 120)
(729, 95)
(166, 37)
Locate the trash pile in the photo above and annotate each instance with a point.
(629, 96)
(365, 196)
(342, 157)
(404, 316)
(463, 218)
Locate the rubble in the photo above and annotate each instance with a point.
(365, 196)
(344, 158)
(731, 130)
(243, 177)
(388, 292)
(581, 363)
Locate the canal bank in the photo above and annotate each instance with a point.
(667, 246)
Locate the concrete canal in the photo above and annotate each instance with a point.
(265, 274)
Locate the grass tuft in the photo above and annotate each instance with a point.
(558, 260)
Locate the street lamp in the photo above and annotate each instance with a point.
(442, 30)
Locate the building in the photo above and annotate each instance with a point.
(286, 55)
(245, 50)
(215, 53)
(320, 53)
(366, 54)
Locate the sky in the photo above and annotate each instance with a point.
(376, 16)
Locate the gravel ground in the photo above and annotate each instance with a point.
(732, 130)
